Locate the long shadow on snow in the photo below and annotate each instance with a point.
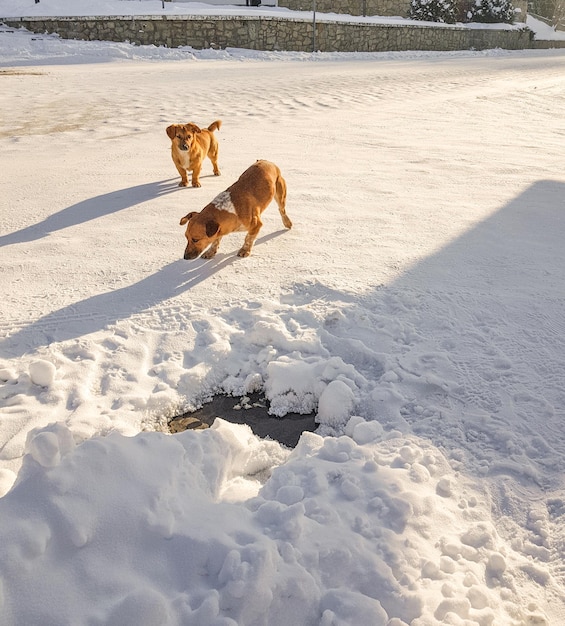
(489, 307)
(94, 313)
(91, 209)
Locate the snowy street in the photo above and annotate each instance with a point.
(417, 305)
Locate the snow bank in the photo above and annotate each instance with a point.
(342, 532)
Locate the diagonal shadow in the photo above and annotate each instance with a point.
(467, 347)
(523, 237)
(91, 209)
(94, 313)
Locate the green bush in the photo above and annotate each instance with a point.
(433, 11)
(492, 11)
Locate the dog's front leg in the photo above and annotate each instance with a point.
(208, 254)
(250, 237)
(183, 176)
(196, 175)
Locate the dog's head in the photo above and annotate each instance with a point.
(183, 134)
(200, 233)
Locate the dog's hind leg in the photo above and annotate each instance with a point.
(250, 237)
(213, 155)
(280, 197)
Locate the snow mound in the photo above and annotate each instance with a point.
(340, 532)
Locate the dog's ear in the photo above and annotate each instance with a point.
(172, 131)
(192, 127)
(212, 227)
(188, 217)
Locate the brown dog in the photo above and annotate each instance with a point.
(237, 208)
(189, 147)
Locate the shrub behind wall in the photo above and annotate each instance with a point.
(492, 12)
(444, 11)
(451, 11)
(389, 7)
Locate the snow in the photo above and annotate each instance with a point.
(417, 306)
(543, 30)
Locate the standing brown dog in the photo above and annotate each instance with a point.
(237, 208)
(189, 147)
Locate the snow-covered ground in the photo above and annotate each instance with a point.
(417, 305)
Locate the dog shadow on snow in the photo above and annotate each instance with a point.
(91, 209)
(95, 313)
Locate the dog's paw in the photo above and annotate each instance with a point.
(196, 183)
(183, 183)
(217, 173)
(244, 252)
(208, 254)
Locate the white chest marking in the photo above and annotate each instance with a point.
(223, 202)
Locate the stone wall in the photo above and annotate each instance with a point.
(548, 44)
(268, 33)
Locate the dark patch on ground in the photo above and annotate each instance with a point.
(251, 410)
(13, 72)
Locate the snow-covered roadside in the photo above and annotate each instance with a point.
(416, 304)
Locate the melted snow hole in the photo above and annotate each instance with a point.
(251, 410)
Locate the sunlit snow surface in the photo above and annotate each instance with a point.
(416, 306)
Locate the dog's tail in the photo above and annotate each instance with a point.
(280, 198)
(215, 126)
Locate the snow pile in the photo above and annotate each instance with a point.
(350, 530)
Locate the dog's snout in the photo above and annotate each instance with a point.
(190, 255)
(184, 147)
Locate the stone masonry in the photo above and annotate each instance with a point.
(270, 34)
